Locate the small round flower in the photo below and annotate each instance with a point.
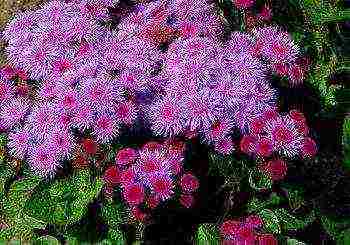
(266, 239)
(18, 143)
(189, 183)
(105, 128)
(127, 177)
(134, 194)
(42, 160)
(151, 146)
(218, 130)
(225, 146)
(89, 146)
(241, 4)
(257, 125)
(63, 141)
(276, 169)
(253, 221)
(248, 144)
(13, 112)
(165, 117)
(126, 156)
(245, 235)
(229, 229)
(126, 112)
(112, 175)
(162, 186)
(309, 148)
(186, 200)
(138, 214)
(265, 13)
(83, 118)
(152, 201)
(264, 147)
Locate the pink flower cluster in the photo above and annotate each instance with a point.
(149, 175)
(286, 135)
(245, 232)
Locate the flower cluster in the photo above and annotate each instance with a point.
(245, 232)
(150, 174)
(164, 63)
(286, 135)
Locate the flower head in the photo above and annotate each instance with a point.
(13, 112)
(162, 186)
(189, 183)
(126, 156)
(43, 160)
(134, 194)
(18, 143)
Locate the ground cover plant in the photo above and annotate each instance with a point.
(175, 122)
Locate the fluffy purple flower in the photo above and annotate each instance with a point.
(18, 143)
(105, 128)
(151, 165)
(13, 112)
(126, 112)
(162, 186)
(239, 42)
(43, 160)
(276, 45)
(218, 130)
(61, 140)
(83, 117)
(200, 109)
(165, 117)
(6, 91)
(225, 146)
(284, 135)
(42, 119)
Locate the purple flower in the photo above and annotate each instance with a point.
(201, 109)
(13, 112)
(42, 119)
(151, 164)
(61, 140)
(105, 128)
(276, 45)
(239, 42)
(83, 117)
(165, 117)
(6, 91)
(42, 160)
(284, 135)
(126, 112)
(224, 146)
(18, 143)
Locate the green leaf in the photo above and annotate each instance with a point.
(346, 142)
(259, 181)
(330, 226)
(207, 234)
(344, 237)
(287, 221)
(114, 214)
(294, 242)
(47, 240)
(271, 222)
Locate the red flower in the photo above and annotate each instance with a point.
(162, 187)
(257, 126)
(127, 176)
(246, 235)
(22, 74)
(111, 175)
(266, 239)
(134, 194)
(126, 156)
(276, 169)
(264, 147)
(186, 200)
(189, 183)
(152, 146)
(230, 228)
(89, 146)
(153, 201)
(309, 148)
(8, 71)
(240, 4)
(248, 144)
(281, 69)
(297, 116)
(253, 221)
(138, 214)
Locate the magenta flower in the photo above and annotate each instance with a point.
(277, 46)
(162, 186)
(126, 112)
(275, 169)
(63, 141)
(126, 156)
(42, 160)
(224, 146)
(13, 112)
(165, 117)
(18, 143)
(134, 194)
(218, 130)
(106, 128)
(241, 4)
(186, 200)
(6, 91)
(84, 116)
(189, 183)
